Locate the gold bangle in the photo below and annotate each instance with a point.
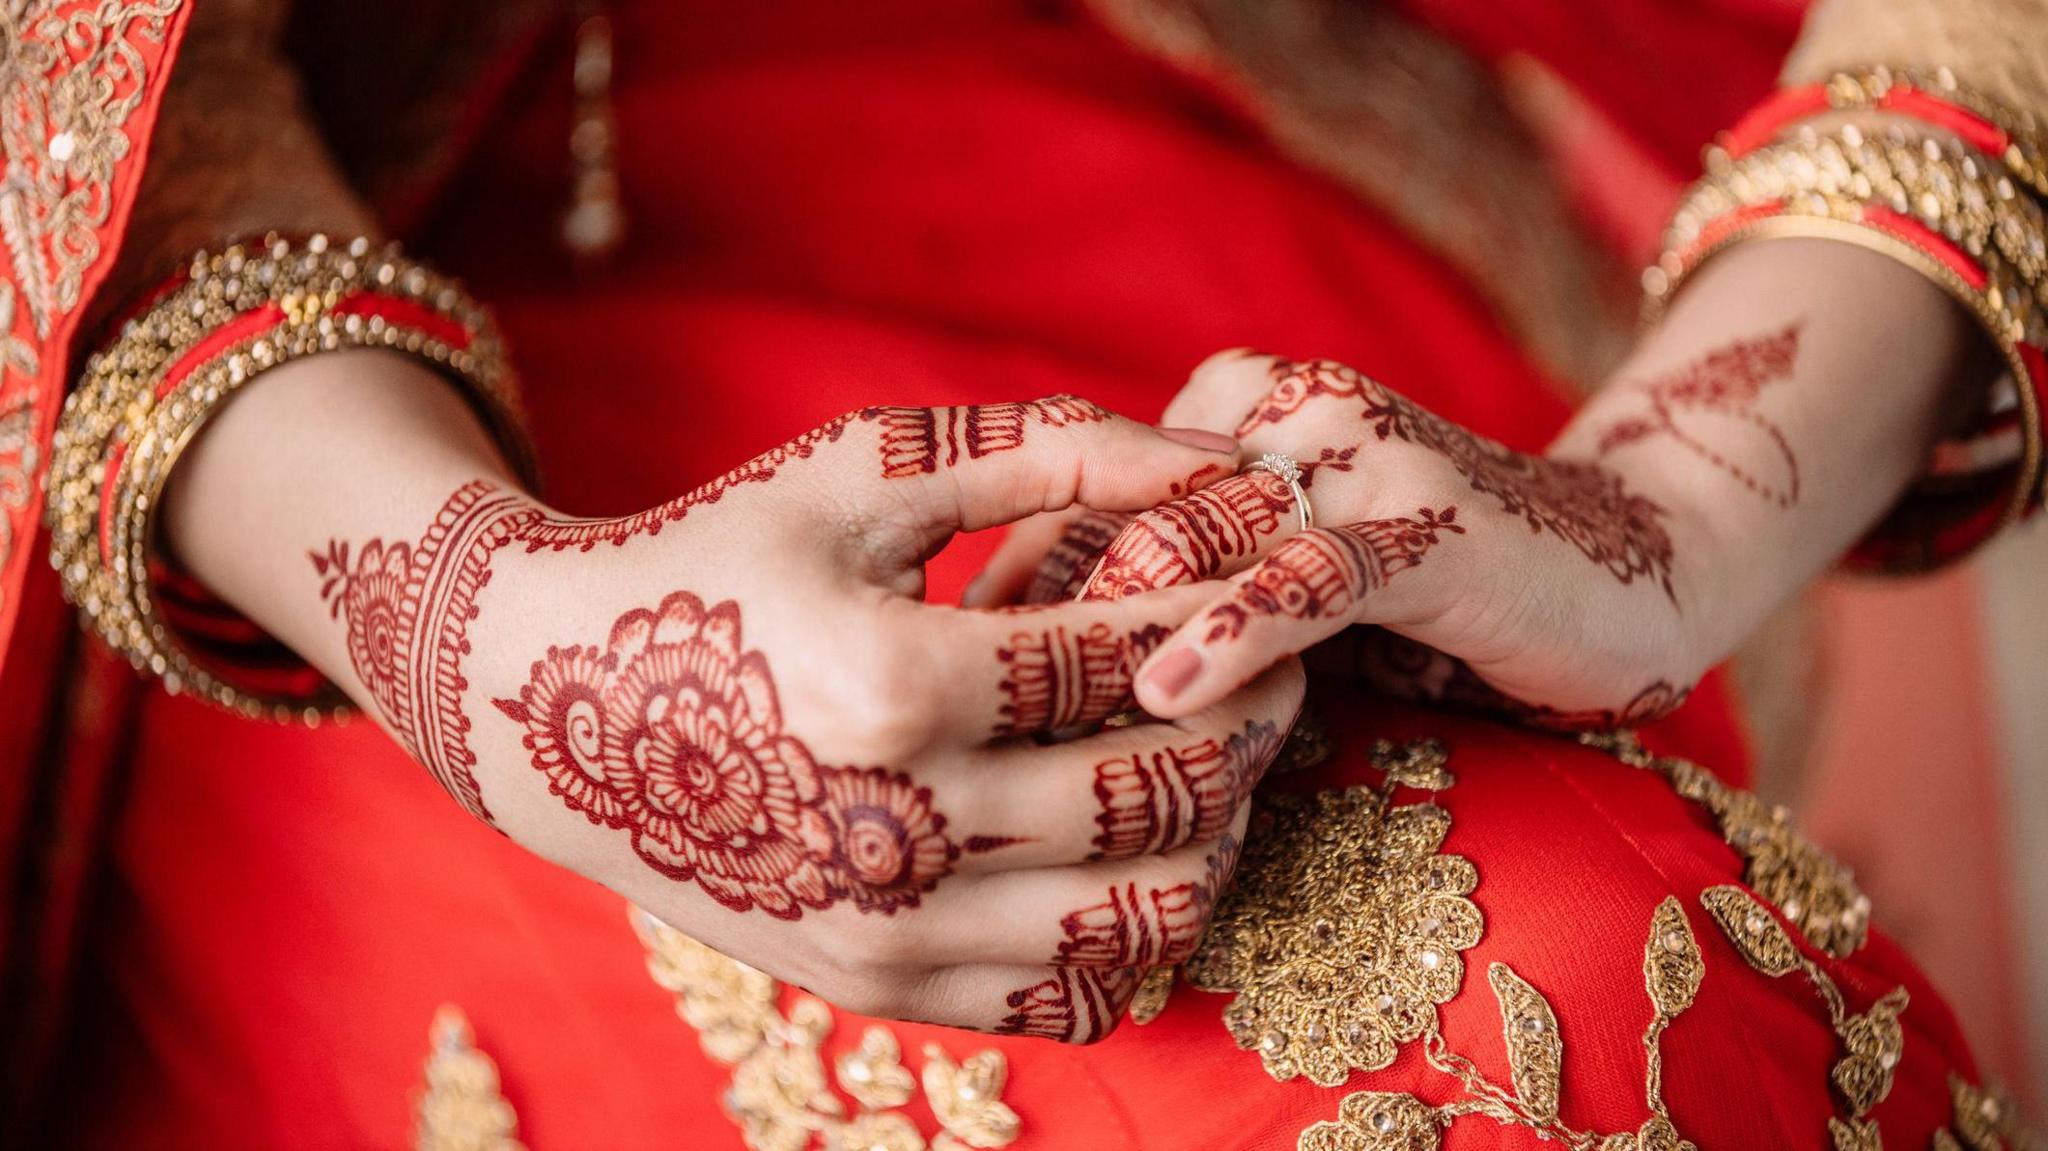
(2024, 154)
(1906, 200)
(141, 399)
(1941, 182)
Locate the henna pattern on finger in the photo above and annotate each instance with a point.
(1153, 802)
(1727, 382)
(1585, 504)
(1325, 574)
(673, 732)
(919, 441)
(1191, 539)
(1072, 558)
(1107, 948)
(1061, 676)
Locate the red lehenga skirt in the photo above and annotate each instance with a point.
(1453, 943)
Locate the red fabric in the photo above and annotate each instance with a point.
(905, 201)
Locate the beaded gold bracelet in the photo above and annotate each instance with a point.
(2016, 139)
(141, 399)
(1948, 212)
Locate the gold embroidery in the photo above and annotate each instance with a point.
(1153, 992)
(782, 1095)
(74, 74)
(1377, 1121)
(1307, 744)
(1672, 970)
(874, 1074)
(967, 1098)
(461, 1108)
(1815, 892)
(1343, 930)
(68, 84)
(1872, 1041)
(1984, 1120)
(1535, 1053)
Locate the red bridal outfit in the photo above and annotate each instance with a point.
(1446, 932)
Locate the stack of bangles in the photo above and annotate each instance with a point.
(1951, 186)
(226, 319)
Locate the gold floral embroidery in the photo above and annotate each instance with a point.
(1343, 931)
(1814, 891)
(69, 81)
(1872, 1041)
(74, 74)
(782, 1095)
(461, 1108)
(1383, 1121)
(1984, 1120)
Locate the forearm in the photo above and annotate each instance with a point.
(1782, 406)
(350, 446)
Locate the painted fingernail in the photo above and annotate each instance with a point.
(1174, 671)
(1198, 438)
(975, 594)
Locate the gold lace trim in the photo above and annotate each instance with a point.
(461, 1108)
(781, 1094)
(1813, 890)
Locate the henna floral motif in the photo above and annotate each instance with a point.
(891, 845)
(1058, 677)
(1107, 947)
(408, 609)
(408, 606)
(1324, 574)
(1067, 565)
(1184, 541)
(1584, 504)
(1726, 382)
(918, 441)
(674, 732)
(1157, 801)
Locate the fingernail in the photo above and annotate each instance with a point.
(975, 594)
(1198, 438)
(1174, 671)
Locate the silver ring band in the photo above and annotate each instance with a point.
(1288, 472)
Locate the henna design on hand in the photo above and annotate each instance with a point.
(1727, 381)
(1156, 801)
(1325, 574)
(1584, 504)
(1059, 677)
(1072, 558)
(1107, 947)
(917, 441)
(1407, 669)
(408, 608)
(674, 732)
(1180, 542)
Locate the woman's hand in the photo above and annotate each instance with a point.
(1778, 410)
(1553, 582)
(775, 747)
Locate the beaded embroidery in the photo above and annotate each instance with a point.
(461, 1108)
(781, 1094)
